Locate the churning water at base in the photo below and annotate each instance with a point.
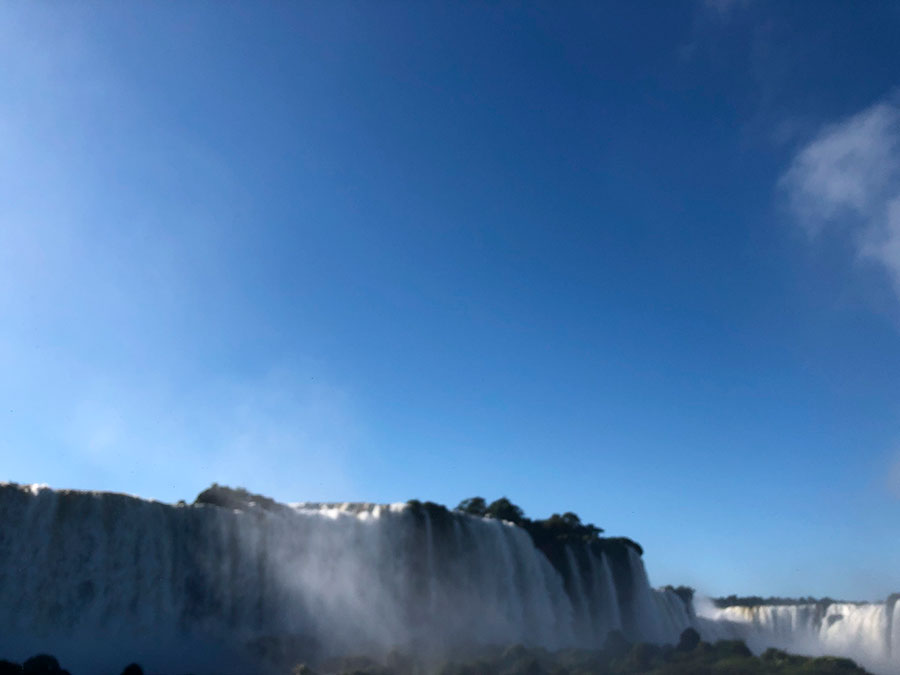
(101, 579)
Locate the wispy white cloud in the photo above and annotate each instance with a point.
(848, 178)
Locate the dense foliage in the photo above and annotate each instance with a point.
(548, 533)
(756, 601)
(690, 657)
(45, 664)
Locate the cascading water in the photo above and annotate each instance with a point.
(605, 589)
(100, 579)
(865, 632)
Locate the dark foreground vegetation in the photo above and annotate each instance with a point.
(44, 664)
(690, 656)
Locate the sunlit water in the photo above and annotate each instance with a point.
(101, 579)
(866, 632)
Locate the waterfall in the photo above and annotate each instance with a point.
(609, 599)
(675, 615)
(100, 579)
(895, 630)
(865, 632)
(583, 617)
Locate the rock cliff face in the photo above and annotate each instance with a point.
(221, 585)
(102, 578)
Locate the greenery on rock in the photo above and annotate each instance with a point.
(564, 539)
(756, 601)
(236, 498)
(548, 534)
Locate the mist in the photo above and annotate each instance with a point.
(238, 583)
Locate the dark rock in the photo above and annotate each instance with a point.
(237, 498)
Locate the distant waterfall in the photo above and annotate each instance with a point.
(102, 578)
(869, 633)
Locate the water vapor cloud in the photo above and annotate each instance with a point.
(847, 178)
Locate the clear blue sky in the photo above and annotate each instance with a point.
(636, 260)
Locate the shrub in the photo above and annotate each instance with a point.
(236, 498)
(503, 509)
(42, 664)
(689, 640)
(728, 648)
(474, 506)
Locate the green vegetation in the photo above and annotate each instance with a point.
(756, 601)
(618, 657)
(45, 664)
(440, 515)
(236, 498)
(566, 526)
(549, 534)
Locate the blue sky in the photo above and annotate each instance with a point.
(636, 260)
